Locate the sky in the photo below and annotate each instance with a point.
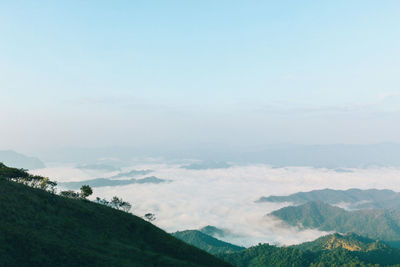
(189, 73)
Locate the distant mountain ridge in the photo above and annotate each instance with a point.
(379, 224)
(17, 160)
(351, 198)
(333, 156)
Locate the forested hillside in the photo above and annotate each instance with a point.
(39, 228)
(379, 224)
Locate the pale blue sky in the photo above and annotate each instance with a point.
(187, 72)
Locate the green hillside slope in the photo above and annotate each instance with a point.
(38, 228)
(347, 250)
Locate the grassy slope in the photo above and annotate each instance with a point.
(41, 229)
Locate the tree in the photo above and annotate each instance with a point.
(44, 183)
(150, 217)
(125, 206)
(118, 203)
(51, 186)
(102, 201)
(86, 191)
(114, 203)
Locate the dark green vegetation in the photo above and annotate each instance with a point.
(14, 159)
(206, 242)
(374, 223)
(267, 255)
(22, 176)
(331, 250)
(354, 198)
(38, 228)
(99, 182)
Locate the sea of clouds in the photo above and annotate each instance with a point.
(226, 197)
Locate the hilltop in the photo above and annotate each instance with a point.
(349, 241)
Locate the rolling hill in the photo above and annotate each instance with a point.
(38, 228)
(331, 250)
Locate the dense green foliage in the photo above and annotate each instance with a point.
(38, 228)
(374, 223)
(267, 255)
(354, 198)
(206, 242)
(86, 191)
(331, 250)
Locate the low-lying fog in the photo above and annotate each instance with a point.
(225, 197)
